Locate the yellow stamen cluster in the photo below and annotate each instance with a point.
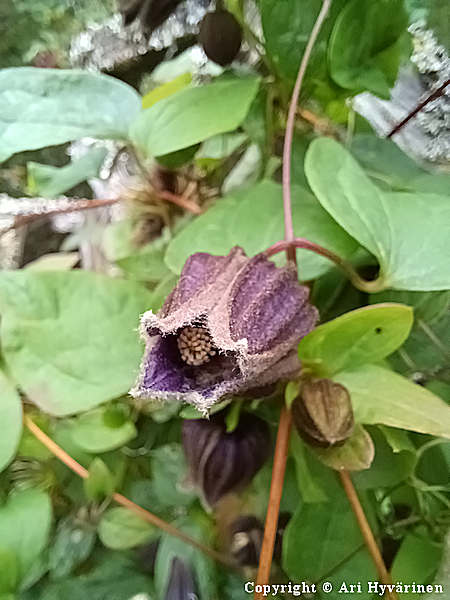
(195, 346)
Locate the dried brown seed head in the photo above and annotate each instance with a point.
(195, 346)
(323, 413)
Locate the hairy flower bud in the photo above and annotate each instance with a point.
(221, 462)
(181, 582)
(231, 324)
(220, 36)
(323, 413)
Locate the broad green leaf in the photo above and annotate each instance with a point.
(389, 467)
(368, 61)
(120, 529)
(287, 25)
(426, 350)
(44, 107)
(390, 225)
(69, 338)
(193, 115)
(100, 482)
(72, 545)
(361, 336)
(416, 561)
(25, 520)
(318, 538)
(11, 420)
(355, 455)
(115, 578)
(8, 572)
(166, 89)
(388, 165)
(90, 431)
(48, 181)
(141, 262)
(380, 396)
(169, 470)
(253, 218)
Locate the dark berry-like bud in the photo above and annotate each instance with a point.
(323, 413)
(181, 582)
(221, 462)
(246, 539)
(221, 36)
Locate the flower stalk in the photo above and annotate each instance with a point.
(122, 500)
(285, 424)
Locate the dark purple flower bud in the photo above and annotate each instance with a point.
(181, 582)
(246, 539)
(231, 324)
(323, 413)
(221, 462)
(220, 36)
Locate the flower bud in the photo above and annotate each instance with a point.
(181, 582)
(221, 36)
(323, 413)
(221, 462)
(246, 539)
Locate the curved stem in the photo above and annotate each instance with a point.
(287, 149)
(365, 286)
(120, 499)
(284, 427)
(366, 531)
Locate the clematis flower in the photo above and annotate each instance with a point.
(232, 323)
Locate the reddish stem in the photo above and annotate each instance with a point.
(120, 499)
(436, 94)
(284, 427)
(363, 285)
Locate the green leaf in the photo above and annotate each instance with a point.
(390, 225)
(8, 573)
(318, 538)
(48, 181)
(369, 61)
(253, 219)
(54, 261)
(91, 432)
(100, 483)
(120, 529)
(169, 469)
(416, 561)
(363, 335)
(287, 25)
(69, 338)
(193, 115)
(25, 521)
(387, 164)
(72, 545)
(166, 89)
(11, 420)
(116, 578)
(44, 107)
(143, 263)
(388, 468)
(355, 455)
(380, 396)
